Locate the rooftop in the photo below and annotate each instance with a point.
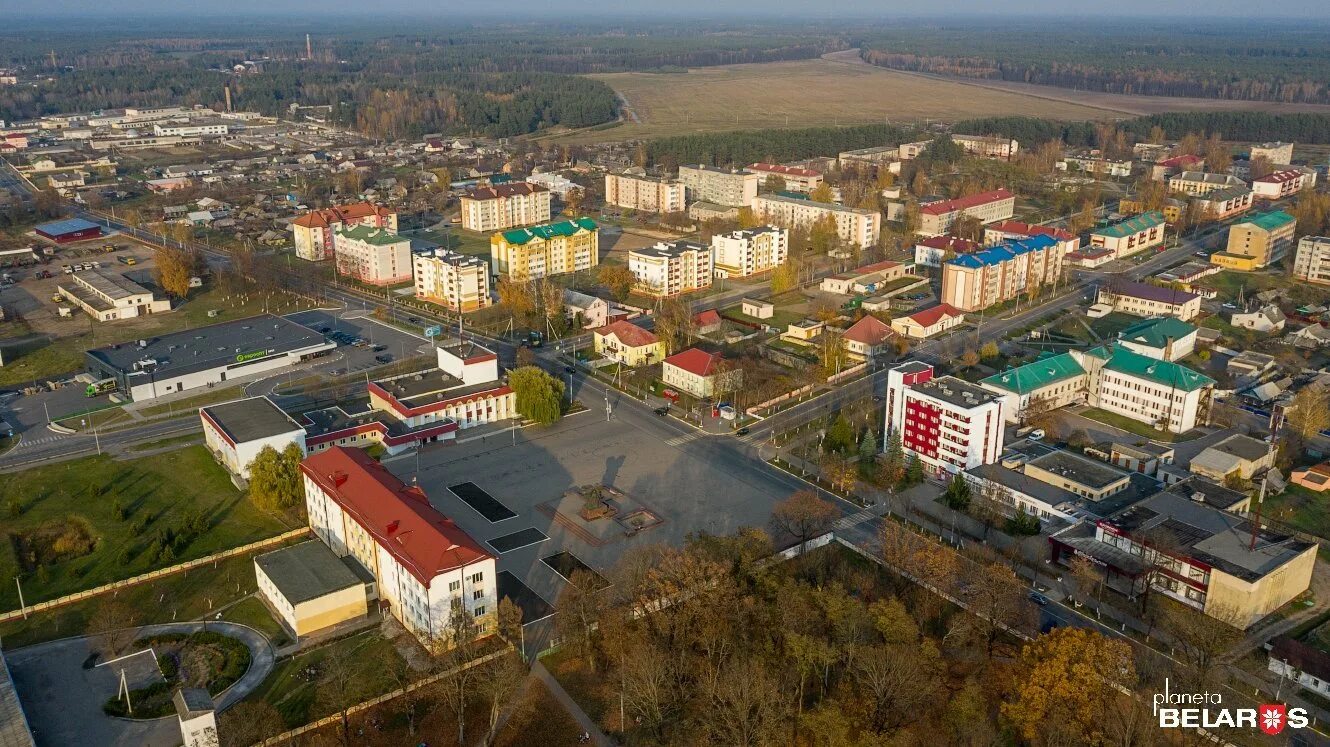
(628, 334)
(1225, 194)
(1029, 229)
(1242, 447)
(429, 387)
(70, 225)
(776, 168)
(249, 419)
(956, 392)
(1157, 333)
(1209, 178)
(1273, 220)
(1085, 471)
(498, 191)
(961, 203)
(308, 571)
(341, 214)
(930, 316)
(228, 343)
(1169, 374)
(549, 230)
(868, 331)
(1132, 225)
(1037, 375)
(400, 519)
(695, 361)
(669, 249)
(1279, 177)
(1008, 250)
(372, 235)
(1157, 293)
(835, 207)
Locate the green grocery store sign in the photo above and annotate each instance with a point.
(242, 357)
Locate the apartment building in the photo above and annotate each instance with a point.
(671, 268)
(934, 250)
(372, 255)
(1204, 557)
(503, 206)
(634, 190)
(988, 207)
(1223, 203)
(456, 281)
(1201, 182)
(988, 146)
(749, 251)
(1000, 273)
(1312, 262)
(550, 249)
(855, 226)
(1256, 243)
(1135, 234)
(1159, 393)
(107, 296)
(1276, 153)
(1282, 183)
(312, 233)
(998, 232)
(796, 179)
(1144, 299)
(719, 186)
(424, 566)
(950, 425)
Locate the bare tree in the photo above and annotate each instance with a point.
(746, 705)
(579, 607)
(803, 516)
(335, 690)
(498, 684)
(454, 648)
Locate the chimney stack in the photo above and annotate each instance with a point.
(309, 54)
(227, 90)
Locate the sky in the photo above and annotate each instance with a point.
(573, 9)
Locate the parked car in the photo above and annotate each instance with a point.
(1038, 598)
(662, 410)
(1037, 434)
(384, 358)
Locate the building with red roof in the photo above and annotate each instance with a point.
(504, 206)
(796, 179)
(695, 371)
(314, 232)
(867, 338)
(932, 321)
(628, 344)
(939, 216)
(423, 564)
(707, 322)
(1282, 183)
(931, 252)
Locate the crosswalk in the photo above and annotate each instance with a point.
(854, 519)
(681, 440)
(25, 441)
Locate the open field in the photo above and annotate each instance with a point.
(80, 524)
(802, 94)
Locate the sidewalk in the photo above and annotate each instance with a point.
(598, 737)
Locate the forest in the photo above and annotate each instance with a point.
(748, 146)
(1251, 126)
(1221, 60)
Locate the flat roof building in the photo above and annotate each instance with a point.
(310, 588)
(235, 432)
(66, 231)
(107, 296)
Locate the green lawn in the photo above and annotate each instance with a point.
(302, 698)
(157, 494)
(1135, 426)
(255, 614)
(1108, 326)
(1234, 335)
(1301, 509)
(780, 319)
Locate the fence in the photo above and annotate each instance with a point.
(366, 705)
(151, 575)
(847, 373)
(801, 391)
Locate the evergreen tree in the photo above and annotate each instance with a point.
(957, 495)
(868, 454)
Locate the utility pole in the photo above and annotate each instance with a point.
(21, 605)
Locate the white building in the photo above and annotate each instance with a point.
(950, 425)
(1312, 262)
(372, 255)
(1143, 299)
(853, 225)
(1135, 234)
(1276, 153)
(106, 296)
(555, 183)
(749, 251)
(1200, 182)
(634, 190)
(671, 268)
(796, 179)
(424, 566)
(988, 146)
(719, 186)
(1282, 183)
(595, 312)
(235, 432)
(189, 130)
(931, 321)
(452, 279)
(938, 217)
(504, 206)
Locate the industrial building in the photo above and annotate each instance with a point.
(106, 296)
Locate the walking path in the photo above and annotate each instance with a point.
(588, 725)
(63, 700)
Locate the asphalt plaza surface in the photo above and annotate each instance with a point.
(483, 503)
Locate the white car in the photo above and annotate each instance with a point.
(1036, 435)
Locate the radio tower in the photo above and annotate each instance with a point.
(53, 65)
(309, 51)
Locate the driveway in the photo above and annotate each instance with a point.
(63, 700)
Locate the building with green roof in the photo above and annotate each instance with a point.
(378, 256)
(1257, 242)
(1045, 384)
(548, 249)
(1165, 338)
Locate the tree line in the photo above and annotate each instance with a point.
(743, 147)
(1254, 126)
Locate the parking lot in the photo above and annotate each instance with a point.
(380, 343)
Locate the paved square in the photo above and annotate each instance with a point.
(483, 503)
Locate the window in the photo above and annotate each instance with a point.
(480, 611)
(456, 602)
(454, 585)
(478, 594)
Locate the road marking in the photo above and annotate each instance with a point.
(681, 440)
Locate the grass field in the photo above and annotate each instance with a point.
(801, 94)
(301, 696)
(255, 614)
(68, 511)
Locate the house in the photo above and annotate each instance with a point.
(1165, 338)
(424, 567)
(866, 279)
(695, 371)
(804, 330)
(939, 216)
(1250, 366)
(628, 344)
(1265, 319)
(1216, 562)
(1310, 337)
(707, 322)
(1315, 478)
(950, 425)
(1306, 665)
(595, 312)
(1239, 455)
(235, 432)
(1143, 299)
(556, 183)
(932, 251)
(867, 338)
(756, 308)
(932, 321)
(1135, 234)
(309, 588)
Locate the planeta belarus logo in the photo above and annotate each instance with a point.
(1274, 717)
